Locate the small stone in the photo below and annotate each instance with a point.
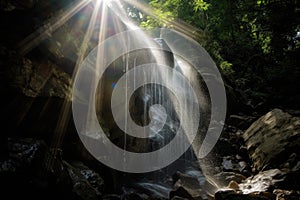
(296, 167)
(238, 157)
(233, 185)
(227, 164)
(242, 165)
(286, 165)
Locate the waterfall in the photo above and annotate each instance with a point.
(151, 105)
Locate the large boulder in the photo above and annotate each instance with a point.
(272, 139)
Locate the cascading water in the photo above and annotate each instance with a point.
(143, 118)
(153, 102)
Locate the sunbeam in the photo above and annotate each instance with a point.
(66, 108)
(54, 23)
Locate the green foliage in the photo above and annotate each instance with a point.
(254, 42)
(200, 5)
(226, 67)
(161, 20)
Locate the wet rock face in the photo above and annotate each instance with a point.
(36, 79)
(272, 138)
(39, 58)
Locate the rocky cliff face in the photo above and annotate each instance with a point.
(40, 79)
(38, 56)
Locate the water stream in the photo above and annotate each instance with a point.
(158, 111)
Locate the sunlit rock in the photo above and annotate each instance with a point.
(272, 138)
(263, 181)
(224, 178)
